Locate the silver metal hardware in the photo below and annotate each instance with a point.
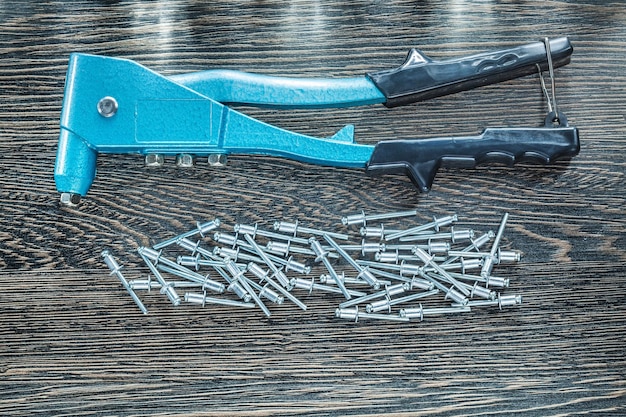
(184, 160)
(201, 228)
(490, 260)
(154, 160)
(107, 106)
(436, 224)
(361, 218)
(116, 270)
(353, 313)
(295, 228)
(420, 312)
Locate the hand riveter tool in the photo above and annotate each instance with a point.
(115, 105)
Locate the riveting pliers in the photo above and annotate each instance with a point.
(114, 105)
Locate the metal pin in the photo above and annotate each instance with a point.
(201, 228)
(202, 299)
(322, 255)
(363, 219)
(420, 312)
(264, 276)
(388, 302)
(436, 224)
(205, 281)
(166, 287)
(310, 285)
(363, 273)
(387, 292)
(294, 228)
(500, 301)
(353, 313)
(116, 270)
(490, 260)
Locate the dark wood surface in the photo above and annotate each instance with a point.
(72, 341)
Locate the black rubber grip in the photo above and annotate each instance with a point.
(421, 78)
(420, 159)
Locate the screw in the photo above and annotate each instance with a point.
(116, 270)
(363, 273)
(217, 160)
(363, 219)
(294, 228)
(489, 261)
(107, 106)
(203, 229)
(154, 160)
(420, 312)
(202, 299)
(436, 224)
(184, 160)
(353, 313)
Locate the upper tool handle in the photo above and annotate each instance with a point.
(421, 78)
(420, 159)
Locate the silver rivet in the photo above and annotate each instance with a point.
(107, 106)
(217, 159)
(70, 199)
(154, 160)
(184, 160)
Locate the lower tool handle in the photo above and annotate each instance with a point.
(420, 159)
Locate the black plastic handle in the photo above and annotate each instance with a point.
(420, 159)
(421, 78)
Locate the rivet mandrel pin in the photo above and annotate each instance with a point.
(362, 218)
(294, 228)
(500, 301)
(436, 224)
(116, 270)
(166, 287)
(201, 228)
(202, 299)
(363, 273)
(322, 255)
(353, 313)
(420, 312)
(490, 260)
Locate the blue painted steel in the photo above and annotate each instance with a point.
(157, 115)
(228, 86)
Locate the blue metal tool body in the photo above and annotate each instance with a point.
(159, 116)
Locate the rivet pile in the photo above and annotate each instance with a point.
(401, 274)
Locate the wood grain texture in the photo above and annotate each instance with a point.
(73, 343)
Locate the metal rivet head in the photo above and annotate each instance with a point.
(107, 107)
(184, 160)
(70, 199)
(154, 160)
(217, 159)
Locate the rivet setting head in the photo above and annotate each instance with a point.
(107, 107)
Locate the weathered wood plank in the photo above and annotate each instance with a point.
(73, 343)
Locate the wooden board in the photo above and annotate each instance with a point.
(73, 342)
